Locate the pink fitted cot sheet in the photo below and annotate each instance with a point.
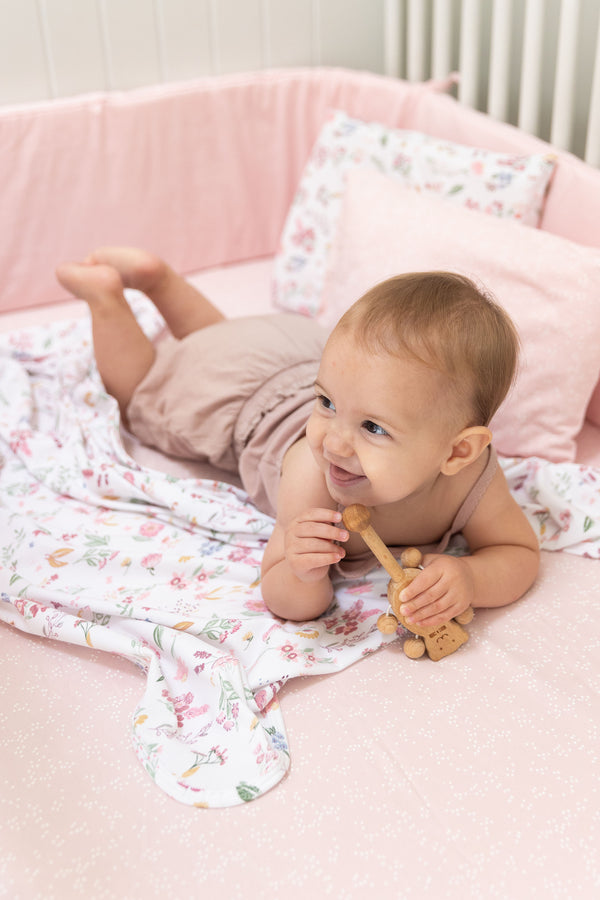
(472, 777)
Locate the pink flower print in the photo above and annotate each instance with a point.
(151, 561)
(262, 697)
(19, 442)
(288, 651)
(255, 604)
(495, 208)
(241, 554)
(201, 654)
(349, 621)
(183, 707)
(477, 167)
(150, 528)
(128, 476)
(304, 237)
(178, 582)
(221, 754)
(226, 723)
(564, 519)
(320, 156)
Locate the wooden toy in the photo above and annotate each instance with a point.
(440, 641)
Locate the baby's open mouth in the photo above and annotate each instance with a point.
(342, 476)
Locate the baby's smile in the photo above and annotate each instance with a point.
(342, 477)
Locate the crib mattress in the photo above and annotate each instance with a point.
(475, 776)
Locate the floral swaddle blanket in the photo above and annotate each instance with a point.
(102, 552)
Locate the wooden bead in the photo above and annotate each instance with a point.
(356, 517)
(387, 624)
(465, 617)
(414, 647)
(411, 558)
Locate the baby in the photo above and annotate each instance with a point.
(397, 419)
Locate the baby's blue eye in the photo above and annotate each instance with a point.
(373, 428)
(325, 402)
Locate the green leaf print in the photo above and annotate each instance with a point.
(247, 792)
(157, 636)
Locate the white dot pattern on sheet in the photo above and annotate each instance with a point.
(474, 776)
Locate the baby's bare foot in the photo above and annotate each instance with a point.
(138, 269)
(92, 283)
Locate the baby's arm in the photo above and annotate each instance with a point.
(295, 570)
(503, 564)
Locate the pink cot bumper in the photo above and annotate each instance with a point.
(236, 395)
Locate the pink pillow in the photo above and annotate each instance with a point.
(550, 287)
(501, 184)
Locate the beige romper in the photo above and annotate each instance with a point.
(236, 394)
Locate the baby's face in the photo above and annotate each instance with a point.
(380, 429)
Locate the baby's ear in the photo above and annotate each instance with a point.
(466, 447)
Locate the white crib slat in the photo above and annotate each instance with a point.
(130, 43)
(239, 35)
(23, 72)
(415, 31)
(564, 85)
(351, 34)
(531, 68)
(288, 33)
(498, 89)
(469, 52)
(391, 38)
(73, 47)
(441, 40)
(48, 50)
(183, 39)
(592, 144)
(316, 42)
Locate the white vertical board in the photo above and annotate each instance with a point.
(592, 145)
(184, 39)
(23, 69)
(73, 44)
(131, 42)
(289, 31)
(500, 59)
(238, 35)
(351, 34)
(564, 85)
(470, 44)
(441, 39)
(416, 32)
(531, 69)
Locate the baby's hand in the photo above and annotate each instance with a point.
(442, 590)
(310, 543)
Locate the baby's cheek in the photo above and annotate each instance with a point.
(313, 435)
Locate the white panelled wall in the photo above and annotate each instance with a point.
(535, 63)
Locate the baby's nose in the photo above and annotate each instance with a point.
(337, 443)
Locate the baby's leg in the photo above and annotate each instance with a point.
(183, 307)
(123, 352)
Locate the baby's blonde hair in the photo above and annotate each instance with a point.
(444, 320)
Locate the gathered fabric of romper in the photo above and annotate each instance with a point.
(237, 395)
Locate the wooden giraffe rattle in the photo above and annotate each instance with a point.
(440, 641)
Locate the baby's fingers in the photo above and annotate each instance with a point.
(437, 594)
(319, 523)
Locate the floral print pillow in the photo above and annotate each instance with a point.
(504, 185)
